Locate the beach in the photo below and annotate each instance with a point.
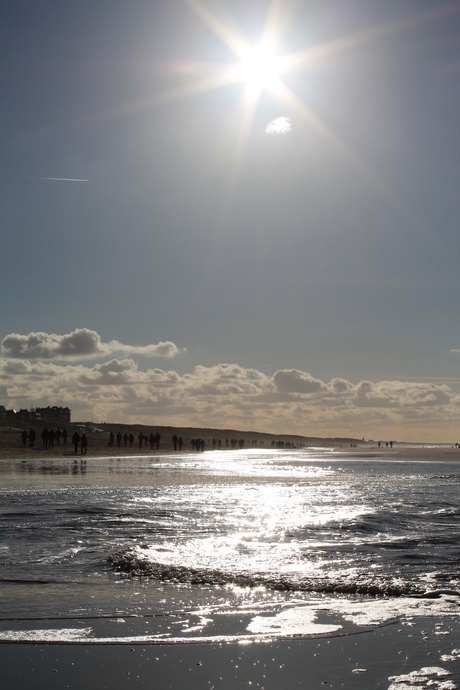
(306, 567)
(98, 438)
(12, 448)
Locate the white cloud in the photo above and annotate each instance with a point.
(281, 125)
(340, 385)
(80, 343)
(294, 381)
(230, 396)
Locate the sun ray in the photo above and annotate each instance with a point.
(320, 128)
(268, 77)
(255, 79)
(247, 105)
(237, 44)
(225, 77)
(302, 57)
(232, 73)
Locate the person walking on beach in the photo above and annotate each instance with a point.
(174, 440)
(64, 436)
(24, 437)
(75, 441)
(119, 437)
(32, 437)
(83, 444)
(140, 438)
(180, 442)
(51, 438)
(58, 435)
(157, 440)
(125, 439)
(131, 439)
(44, 437)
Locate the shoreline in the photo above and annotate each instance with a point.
(423, 654)
(100, 450)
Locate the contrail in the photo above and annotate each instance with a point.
(62, 179)
(55, 179)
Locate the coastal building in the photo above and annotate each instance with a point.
(59, 415)
(51, 414)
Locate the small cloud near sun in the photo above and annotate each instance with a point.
(281, 125)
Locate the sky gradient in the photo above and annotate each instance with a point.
(169, 256)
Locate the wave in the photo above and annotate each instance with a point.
(131, 563)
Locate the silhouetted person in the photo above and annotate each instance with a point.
(75, 441)
(219, 443)
(180, 442)
(51, 438)
(119, 437)
(151, 440)
(131, 439)
(125, 439)
(140, 438)
(64, 436)
(202, 445)
(83, 444)
(111, 439)
(58, 435)
(157, 440)
(174, 440)
(44, 436)
(32, 437)
(24, 437)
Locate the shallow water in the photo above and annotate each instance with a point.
(225, 545)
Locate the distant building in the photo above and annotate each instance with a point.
(51, 414)
(22, 414)
(59, 415)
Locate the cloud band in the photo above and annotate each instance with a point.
(80, 343)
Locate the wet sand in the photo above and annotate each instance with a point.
(424, 654)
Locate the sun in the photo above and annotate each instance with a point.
(259, 66)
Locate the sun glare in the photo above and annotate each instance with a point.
(259, 66)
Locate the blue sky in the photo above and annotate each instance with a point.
(209, 272)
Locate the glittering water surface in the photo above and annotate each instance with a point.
(224, 545)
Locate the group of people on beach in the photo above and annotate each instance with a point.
(387, 443)
(81, 441)
(153, 440)
(48, 436)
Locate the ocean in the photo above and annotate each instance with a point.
(234, 545)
